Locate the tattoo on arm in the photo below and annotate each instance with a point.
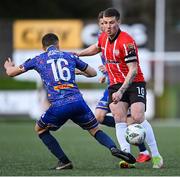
(128, 82)
(132, 77)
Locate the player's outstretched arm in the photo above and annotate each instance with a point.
(90, 72)
(91, 50)
(116, 96)
(11, 69)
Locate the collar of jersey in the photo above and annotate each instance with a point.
(51, 47)
(115, 37)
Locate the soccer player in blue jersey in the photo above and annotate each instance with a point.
(57, 71)
(102, 107)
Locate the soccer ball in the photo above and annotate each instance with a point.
(135, 134)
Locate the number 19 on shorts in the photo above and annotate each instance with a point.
(140, 91)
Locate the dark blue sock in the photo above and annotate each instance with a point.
(142, 147)
(53, 146)
(104, 139)
(109, 121)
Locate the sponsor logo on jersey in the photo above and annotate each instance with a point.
(63, 86)
(112, 62)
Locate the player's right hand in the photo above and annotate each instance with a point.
(102, 68)
(102, 79)
(8, 63)
(116, 96)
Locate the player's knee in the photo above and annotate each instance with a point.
(99, 116)
(138, 117)
(94, 130)
(38, 129)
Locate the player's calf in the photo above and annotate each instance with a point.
(106, 141)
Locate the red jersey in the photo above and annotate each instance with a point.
(117, 53)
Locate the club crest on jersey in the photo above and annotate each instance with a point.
(130, 46)
(131, 49)
(116, 52)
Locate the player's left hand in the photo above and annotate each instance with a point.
(8, 63)
(116, 96)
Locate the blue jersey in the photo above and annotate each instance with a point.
(104, 63)
(103, 102)
(57, 71)
(105, 73)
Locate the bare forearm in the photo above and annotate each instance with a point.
(89, 72)
(87, 75)
(128, 81)
(83, 74)
(91, 50)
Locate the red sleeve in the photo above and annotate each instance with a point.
(100, 39)
(129, 48)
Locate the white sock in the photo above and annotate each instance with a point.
(120, 134)
(145, 152)
(150, 138)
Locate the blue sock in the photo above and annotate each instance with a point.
(142, 147)
(109, 121)
(104, 139)
(53, 146)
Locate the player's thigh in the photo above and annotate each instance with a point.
(119, 111)
(84, 117)
(137, 93)
(54, 117)
(137, 97)
(138, 111)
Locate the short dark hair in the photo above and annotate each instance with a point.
(100, 15)
(49, 39)
(111, 12)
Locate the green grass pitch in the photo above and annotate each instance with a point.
(22, 154)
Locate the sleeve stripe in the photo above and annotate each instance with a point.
(131, 61)
(125, 49)
(130, 58)
(85, 67)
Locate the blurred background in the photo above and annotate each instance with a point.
(154, 24)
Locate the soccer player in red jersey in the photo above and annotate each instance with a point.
(102, 107)
(127, 84)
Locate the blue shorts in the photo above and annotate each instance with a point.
(78, 111)
(103, 102)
